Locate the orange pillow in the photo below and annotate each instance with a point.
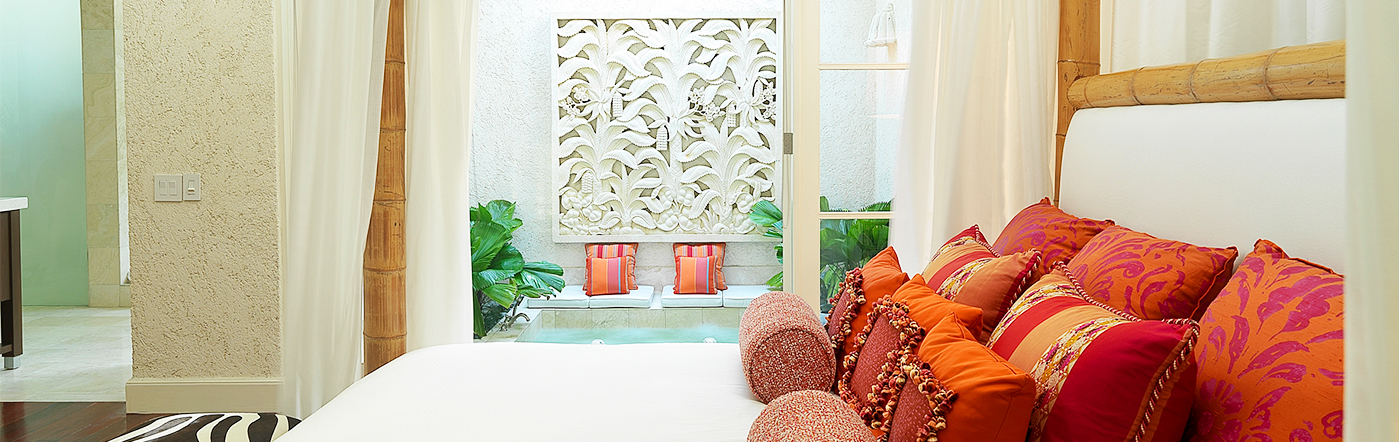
(607, 276)
(1271, 353)
(927, 308)
(1057, 235)
(1150, 277)
(994, 398)
(880, 277)
(695, 276)
(614, 251)
(968, 272)
(715, 250)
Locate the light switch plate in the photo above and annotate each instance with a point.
(191, 189)
(168, 188)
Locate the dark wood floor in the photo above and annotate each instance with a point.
(66, 421)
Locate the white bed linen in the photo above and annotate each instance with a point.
(544, 392)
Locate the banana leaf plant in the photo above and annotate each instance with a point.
(845, 243)
(500, 277)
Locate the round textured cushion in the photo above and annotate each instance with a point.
(784, 348)
(809, 415)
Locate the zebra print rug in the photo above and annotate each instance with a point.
(212, 427)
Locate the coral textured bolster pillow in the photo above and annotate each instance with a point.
(808, 416)
(879, 278)
(1150, 277)
(607, 276)
(994, 397)
(1100, 375)
(1057, 235)
(713, 250)
(1271, 353)
(615, 251)
(783, 347)
(967, 271)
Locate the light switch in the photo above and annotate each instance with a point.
(168, 188)
(191, 189)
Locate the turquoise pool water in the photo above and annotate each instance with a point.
(612, 336)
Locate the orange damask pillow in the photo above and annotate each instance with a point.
(714, 250)
(1057, 235)
(1271, 353)
(1150, 277)
(627, 250)
(967, 271)
(879, 278)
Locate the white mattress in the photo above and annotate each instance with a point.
(671, 299)
(639, 298)
(544, 392)
(570, 297)
(742, 295)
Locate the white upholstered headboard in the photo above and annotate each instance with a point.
(1215, 174)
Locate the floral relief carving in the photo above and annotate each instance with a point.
(666, 128)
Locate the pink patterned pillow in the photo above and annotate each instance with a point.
(1057, 235)
(784, 348)
(808, 415)
(1150, 277)
(1271, 353)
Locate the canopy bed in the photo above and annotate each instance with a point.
(1257, 153)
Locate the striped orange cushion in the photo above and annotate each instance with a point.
(607, 276)
(696, 275)
(613, 251)
(1101, 375)
(968, 272)
(715, 250)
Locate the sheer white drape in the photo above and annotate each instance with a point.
(978, 127)
(335, 72)
(1372, 279)
(1156, 32)
(440, 36)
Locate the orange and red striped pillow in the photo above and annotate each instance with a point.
(613, 251)
(967, 271)
(696, 275)
(715, 250)
(608, 276)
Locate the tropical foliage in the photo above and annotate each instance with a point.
(845, 243)
(500, 277)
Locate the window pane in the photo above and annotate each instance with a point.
(845, 31)
(860, 116)
(847, 244)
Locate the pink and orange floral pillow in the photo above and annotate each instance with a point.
(713, 250)
(1057, 235)
(623, 250)
(1150, 277)
(1271, 353)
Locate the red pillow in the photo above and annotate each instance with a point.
(696, 276)
(1150, 277)
(715, 250)
(627, 250)
(879, 278)
(607, 276)
(1057, 235)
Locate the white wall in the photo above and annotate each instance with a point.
(511, 142)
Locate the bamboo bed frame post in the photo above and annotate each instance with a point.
(1078, 58)
(385, 256)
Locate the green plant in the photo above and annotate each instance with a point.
(500, 277)
(845, 243)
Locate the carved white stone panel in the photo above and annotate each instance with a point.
(667, 129)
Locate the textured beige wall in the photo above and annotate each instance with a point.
(200, 98)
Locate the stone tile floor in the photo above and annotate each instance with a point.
(71, 354)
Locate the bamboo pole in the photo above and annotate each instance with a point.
(1078, 57)
(1316, 70)
(385, 257)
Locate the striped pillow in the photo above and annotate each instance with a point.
(212, 427)
(968, 272)
(613, 251)
(696, 276)
(715, 250)
(608, 276)
(1101, 375)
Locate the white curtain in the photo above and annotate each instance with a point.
(977, 137)
(1156, 32)
(439, 44)
(336, 70)
(1372, 333)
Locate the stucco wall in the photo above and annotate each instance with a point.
(200, 98)
(512, 150)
